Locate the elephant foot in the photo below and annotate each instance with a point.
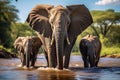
(93, 67)
(65, 67)
(59, 67)
(86, 66)
(25, 67)
(46, 69)
(20, 65)
(32, 67)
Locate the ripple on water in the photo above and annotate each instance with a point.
(109, 70)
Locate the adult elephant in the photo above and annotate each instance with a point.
(90, 47)
(28, 48)
(58, 28)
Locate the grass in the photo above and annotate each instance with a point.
(110, 50)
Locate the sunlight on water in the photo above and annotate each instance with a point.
(109, 69)
(51, 69)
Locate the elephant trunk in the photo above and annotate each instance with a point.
(59, 41)
(59, 36)
(53, 37)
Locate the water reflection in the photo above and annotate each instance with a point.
(101, 73)
(32, 77)
(57, 75)
(109, 69)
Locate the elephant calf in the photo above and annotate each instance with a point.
(28, 48)
(90, 47)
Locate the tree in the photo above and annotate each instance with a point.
(104, 20)
(114, 36)
(7, 15)
(21, 29)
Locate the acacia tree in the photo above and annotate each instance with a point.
(7, 15)
(104, 20)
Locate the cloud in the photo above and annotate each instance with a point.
(106, 2)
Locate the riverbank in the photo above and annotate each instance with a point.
(117, 55)
(6, 54)
(112, 56)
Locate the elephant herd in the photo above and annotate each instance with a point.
(57, 28)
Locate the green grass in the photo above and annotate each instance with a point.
(110, 50)
(76, 53)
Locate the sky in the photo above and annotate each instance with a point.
(25, 6)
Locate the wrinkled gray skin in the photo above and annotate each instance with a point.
(90, 47)
(58, 28)
(28, 48)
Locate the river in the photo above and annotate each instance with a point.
(109, 69)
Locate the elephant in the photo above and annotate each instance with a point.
(90, 47)
(58, 28)
(28, 48)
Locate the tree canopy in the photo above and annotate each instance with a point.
(8, 14)
(104, 20)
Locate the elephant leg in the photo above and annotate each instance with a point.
(51, 58)
(85, 60)
(33, 59)
(68, 49)
(96, 62)
(46, 56)
(51, 55)
(23, 59)
(92, 61)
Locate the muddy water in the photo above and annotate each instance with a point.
(109, 69)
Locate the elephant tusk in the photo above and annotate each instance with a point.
(67, 38)
(52, 41)
(68, 41)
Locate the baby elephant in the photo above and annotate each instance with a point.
(28, 48)
(90, 47)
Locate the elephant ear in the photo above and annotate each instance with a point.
(80, 19)
(18, 42)
(38, 17)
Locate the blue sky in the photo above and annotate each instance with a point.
(25, 6)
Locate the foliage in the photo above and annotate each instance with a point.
(104, 20)
(114, 36)
(6, 49)
(7, 15)
(21, 29)
(110, 50)
(106, 26)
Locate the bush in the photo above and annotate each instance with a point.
(110, 50)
